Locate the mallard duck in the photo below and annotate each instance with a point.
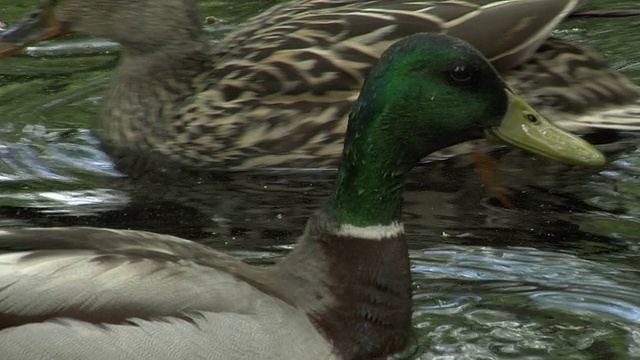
(343, 293)
(277, 92)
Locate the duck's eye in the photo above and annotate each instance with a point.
(461, 73)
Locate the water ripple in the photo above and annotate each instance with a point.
(64, 172)
(478, 302)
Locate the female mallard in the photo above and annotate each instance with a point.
(277, 92)
(343, 293)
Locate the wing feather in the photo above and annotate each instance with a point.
(101, 275)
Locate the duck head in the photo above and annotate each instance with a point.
(449, 93)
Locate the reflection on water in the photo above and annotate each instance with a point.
(490, 303)
(556, 277)
(57, 172)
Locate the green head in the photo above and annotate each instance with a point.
(427, 92)
(430, 91)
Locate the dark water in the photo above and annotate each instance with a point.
(556, 277)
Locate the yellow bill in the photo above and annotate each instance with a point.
(524, 128)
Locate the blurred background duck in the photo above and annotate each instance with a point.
(277, 92)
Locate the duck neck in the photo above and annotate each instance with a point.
(350, 272)
(147, 90)
(353, 284)
(369, 198)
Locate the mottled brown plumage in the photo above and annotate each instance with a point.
(277, 92)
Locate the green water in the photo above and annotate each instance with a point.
(554, 278)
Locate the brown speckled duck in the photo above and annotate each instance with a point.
(277, 92)
(343, 293)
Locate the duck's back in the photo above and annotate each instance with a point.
(267, 332)
(83, 293)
